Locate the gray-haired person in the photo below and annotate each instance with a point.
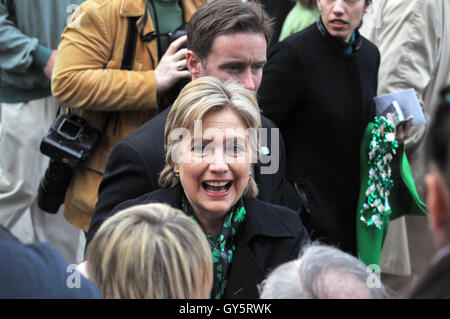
(323, 272)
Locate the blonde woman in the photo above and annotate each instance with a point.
(211, 141)
(150, 251)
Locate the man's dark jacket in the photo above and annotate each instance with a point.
(435, 284)
(30, 271)
(270, 235)
(135, 163)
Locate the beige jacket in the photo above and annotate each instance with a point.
(88, 79)
(413, 37)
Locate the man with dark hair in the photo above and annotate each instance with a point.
(226, 39)
(226, 18)
(435, 284)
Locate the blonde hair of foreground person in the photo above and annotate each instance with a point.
(151, 251)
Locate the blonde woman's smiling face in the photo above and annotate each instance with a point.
(214, 168)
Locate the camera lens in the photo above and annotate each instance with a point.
(53, 186)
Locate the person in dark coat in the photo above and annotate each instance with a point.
(277, 10)
(208, 175)
(230, 52)
(318, 88)
(435, 282)
(38, 271)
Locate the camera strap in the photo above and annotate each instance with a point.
(157, 34)
(129, 50)
(128, 55)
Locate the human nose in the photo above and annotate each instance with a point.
(248, 81)
(339, 7)
(218, 163)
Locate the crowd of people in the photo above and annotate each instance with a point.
(221, 149)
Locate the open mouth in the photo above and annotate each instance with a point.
(217, 187)
(338, 23)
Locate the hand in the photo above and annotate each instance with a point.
(48, 70)
(172, 66)
(403, 130)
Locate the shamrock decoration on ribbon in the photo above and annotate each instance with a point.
(382, 148)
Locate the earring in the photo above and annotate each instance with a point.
(177, 173)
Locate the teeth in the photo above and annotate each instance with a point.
(216, 184)
(216, 187)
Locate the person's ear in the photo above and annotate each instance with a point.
(194, 64)
(366, 6)
(438, 201)
(319, 5)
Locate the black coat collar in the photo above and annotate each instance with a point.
(337, 44)
(261, 220)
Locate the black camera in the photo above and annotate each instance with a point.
(68, 143)
(178, 33)
(172, 93)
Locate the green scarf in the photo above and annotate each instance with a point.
(403, 200)
(225, 246)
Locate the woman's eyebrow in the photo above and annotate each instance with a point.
(201, 140)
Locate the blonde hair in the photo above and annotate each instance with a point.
(195, 100)
(151, 251)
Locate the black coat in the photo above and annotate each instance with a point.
(135, 163)
(269, 236)
(435, 283)
(277, 10)
(322, 101)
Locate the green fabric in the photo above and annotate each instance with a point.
(297, 19)
(170, 17)
(225, 247)
(13, 95)
(29, 31)
(41, 56)
(403, 200)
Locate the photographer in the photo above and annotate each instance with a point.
(91, 79)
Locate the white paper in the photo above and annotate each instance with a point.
(407, 99)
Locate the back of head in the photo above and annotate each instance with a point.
(150, 251)
(322, 272)
(310, 4)
(438, 143)
(218, 17)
